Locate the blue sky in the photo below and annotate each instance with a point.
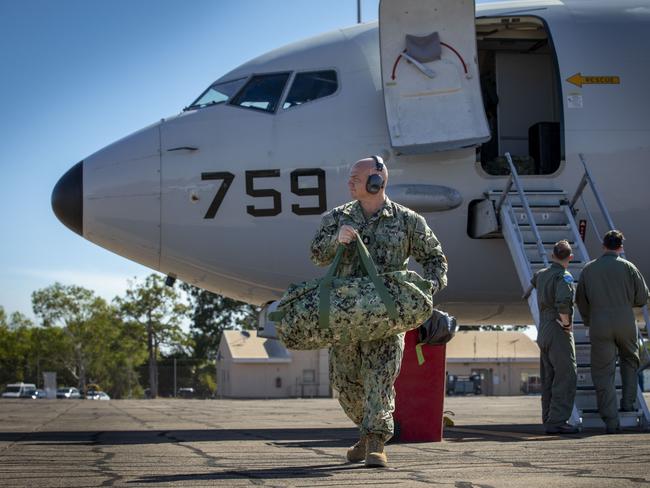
(76, 75)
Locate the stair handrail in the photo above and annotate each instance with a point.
(504, 195)
(529, 214)
(587, 179)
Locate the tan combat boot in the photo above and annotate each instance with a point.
(357, 453)
(376, 457)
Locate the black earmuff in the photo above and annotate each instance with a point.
(376, 182)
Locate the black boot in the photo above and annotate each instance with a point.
(561, 429)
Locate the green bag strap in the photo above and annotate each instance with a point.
(419, 353)
(381, 289)
(371, 270)
(325, 287)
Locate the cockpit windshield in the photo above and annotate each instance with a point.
(217, 93)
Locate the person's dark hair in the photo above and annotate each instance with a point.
(562, 250)
(613, 240)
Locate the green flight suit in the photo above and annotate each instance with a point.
(364, 373)
(556, 345)
(608, 289)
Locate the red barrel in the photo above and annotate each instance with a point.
(420, 393)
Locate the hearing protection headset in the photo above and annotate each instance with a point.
(376, 182)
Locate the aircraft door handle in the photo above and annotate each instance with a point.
(183, 148)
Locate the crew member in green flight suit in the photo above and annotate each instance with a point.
(609, 288)
(554, 286)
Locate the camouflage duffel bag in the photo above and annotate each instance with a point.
(330, 310)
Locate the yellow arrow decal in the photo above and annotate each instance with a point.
(578, 80)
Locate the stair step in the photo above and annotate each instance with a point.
(584, 377)
(534, 197)
(529, 192)
(574, 269)
(549, 199)
(583, 354)
(548, 233)
(572, 262)
(586, 400)
(546, 243)
(542, 215)
(593, 388)
(580, 334)
(532, 254)
(591, 419)
(546, 228)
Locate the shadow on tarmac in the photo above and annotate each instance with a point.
(305, 438)
(509, 433)
(336, 437)
(286, 472)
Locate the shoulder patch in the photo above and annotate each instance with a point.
(420, 223)
(567, 277)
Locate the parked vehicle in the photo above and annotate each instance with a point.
(68, 393)
(185, 393)
(91, 390)
(39, 394)
(464, 385)
(97, 395)
(19, 390)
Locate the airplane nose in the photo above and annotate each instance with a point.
(67, 199)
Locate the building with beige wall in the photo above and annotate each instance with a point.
(253, 367)
(507, 362)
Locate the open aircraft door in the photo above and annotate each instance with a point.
(430, 75)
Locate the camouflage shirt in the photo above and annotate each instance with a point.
(391, 235)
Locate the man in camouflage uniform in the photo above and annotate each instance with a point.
(608, 289)
(364, 373)
(558, 370)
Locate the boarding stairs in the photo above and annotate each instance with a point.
(531, 222)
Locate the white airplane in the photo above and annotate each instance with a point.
(228, 194)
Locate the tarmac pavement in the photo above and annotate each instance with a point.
(497, 442)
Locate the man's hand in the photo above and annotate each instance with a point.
(565, 322)
(435, 284)
(346, 234)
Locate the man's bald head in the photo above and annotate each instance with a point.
(368, 166)
(359, 174)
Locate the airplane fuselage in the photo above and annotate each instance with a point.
(228, 198)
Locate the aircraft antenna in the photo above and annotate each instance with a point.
(358, 11)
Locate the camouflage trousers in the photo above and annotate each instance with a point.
(364, 373)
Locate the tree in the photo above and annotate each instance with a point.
(27, 350)
(84, 340)
(211, 315)
(14, 346)
(74, 308)
(158, 309)
(116, 352)
(17, 320)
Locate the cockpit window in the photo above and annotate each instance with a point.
(310, 86)
(218, 93)
(262, 92)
